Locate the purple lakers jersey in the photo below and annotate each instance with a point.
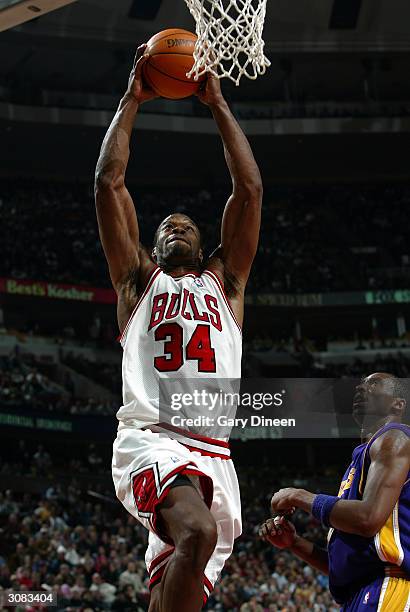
(354, 560)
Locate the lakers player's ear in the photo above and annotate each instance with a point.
(201, 255)
(154, 253)
(399, 407)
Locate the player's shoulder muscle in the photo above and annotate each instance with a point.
(392, 443)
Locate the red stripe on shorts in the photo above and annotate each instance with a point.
(158, 560)
(204, 452)
(188, 434)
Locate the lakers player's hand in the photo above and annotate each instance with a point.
(287, 500)
(210, 91)
(279, 532)
(137, 88)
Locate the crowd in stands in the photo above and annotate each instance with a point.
(26, 383)
(37, 461)
(399, 365)
(24, 386)
(312, 238)
(106, 374)
(91, 552)
(265, 342)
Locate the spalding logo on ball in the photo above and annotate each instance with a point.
(171, 57)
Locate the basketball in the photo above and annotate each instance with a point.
(171, 57)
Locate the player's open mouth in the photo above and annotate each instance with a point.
(174, 238)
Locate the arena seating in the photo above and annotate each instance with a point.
(91, 552)
(40, 244)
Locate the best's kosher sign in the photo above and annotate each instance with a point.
(57, 291)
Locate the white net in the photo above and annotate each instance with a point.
(230, 42)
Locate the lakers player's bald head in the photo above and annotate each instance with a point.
(379, 396)
(389, 383)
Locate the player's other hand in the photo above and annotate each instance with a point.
(210, 91)
(278, 531)
(137, 88)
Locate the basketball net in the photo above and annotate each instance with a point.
(230, 42)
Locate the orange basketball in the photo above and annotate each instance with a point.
(171, 58)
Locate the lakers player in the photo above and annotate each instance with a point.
(178, 314)
(368, 556)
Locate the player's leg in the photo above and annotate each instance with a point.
(177, 516)
(154, 601)
(186, 519)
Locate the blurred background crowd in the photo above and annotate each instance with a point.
(62, 532)
(323, 238)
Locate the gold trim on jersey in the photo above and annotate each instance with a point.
(387, 540)
(362, 476)
(394, 595)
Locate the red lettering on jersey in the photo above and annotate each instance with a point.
(184, 313)
(158, 308)
(173, 307)
(198, 317)
(212, 304)
(167, 307)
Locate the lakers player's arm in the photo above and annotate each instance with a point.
(242, 214)
(282, 533)
(388, 471)
(117, 219)
(310, 553)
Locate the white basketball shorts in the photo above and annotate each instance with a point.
(144, 466)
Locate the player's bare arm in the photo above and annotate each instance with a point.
(390, 464)
(129, 263)
(282, 534)
(242, 214)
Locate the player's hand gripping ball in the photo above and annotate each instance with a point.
(137, 88)
(170, 58)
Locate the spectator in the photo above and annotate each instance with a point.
(130, 576)
(104, 589)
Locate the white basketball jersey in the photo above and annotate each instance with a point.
(180, 328)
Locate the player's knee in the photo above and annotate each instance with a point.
(198, 538)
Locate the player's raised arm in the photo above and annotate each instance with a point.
(242, 214)
(117, 220)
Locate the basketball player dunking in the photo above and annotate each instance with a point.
(177, 313)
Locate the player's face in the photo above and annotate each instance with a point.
(374, 398)
(178, 240)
